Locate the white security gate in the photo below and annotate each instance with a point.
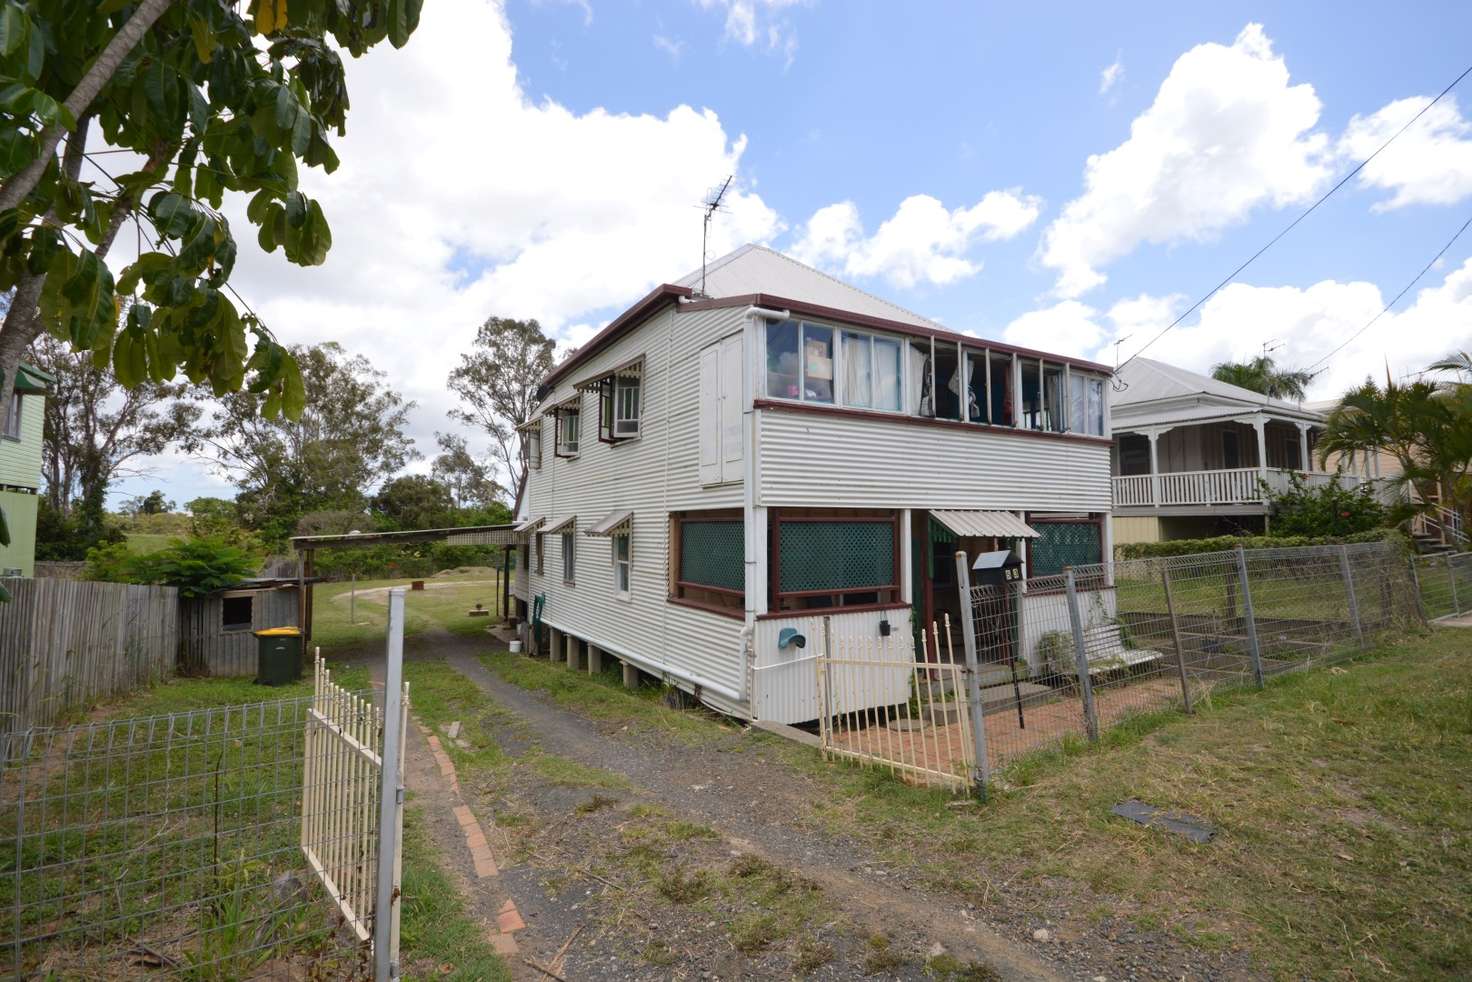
(352, 805)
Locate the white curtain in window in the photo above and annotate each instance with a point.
(857, 370)
(886, 374)
(920, 372)
(1077, 404)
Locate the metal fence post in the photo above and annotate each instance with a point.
(1249, 619)
(1354, 604)
(391, 796)
(1451, 576)
(1081, 656)
(981, 766)
(1175, 633)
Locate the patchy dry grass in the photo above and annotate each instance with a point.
(1343, 797)
(442, 605)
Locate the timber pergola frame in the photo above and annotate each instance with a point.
(306, 547)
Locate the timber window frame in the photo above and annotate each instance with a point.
(541, 553)
(567, 428)
(721, 587)
(621, 401)
(569, 557)
(531, 444)
(12, 421)
(237, 612)
(621, 551)
(786, 598)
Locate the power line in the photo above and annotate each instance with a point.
(1394, 300)
(1294, 224)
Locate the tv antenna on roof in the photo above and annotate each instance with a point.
(1270, 345)
(711, 204)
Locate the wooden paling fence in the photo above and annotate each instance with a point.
(341, 800)
(66, 643)
(883, 708)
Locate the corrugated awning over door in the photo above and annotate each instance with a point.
(612, 524)
(530, 525)
(566, 525)
(998, 524)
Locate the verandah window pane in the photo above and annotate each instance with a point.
(1077, 404)
(817, 363)
(835, 556)
(783, 370)
(858, 371)
(713, 554)
(887, 374)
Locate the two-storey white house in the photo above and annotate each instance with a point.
(713, 468)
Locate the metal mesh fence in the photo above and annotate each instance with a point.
(1445, 584)
(168, 843)
(1071, 655)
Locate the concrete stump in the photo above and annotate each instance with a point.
(574, 652)
(554, 644)
(631, 676)
(595, 659)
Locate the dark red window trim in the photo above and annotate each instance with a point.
(954, 424)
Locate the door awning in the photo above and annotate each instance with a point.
(998, 524)
(612, 524)
(530, 525)
(566, 525)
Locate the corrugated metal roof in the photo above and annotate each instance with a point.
(613, 522)
(498, 537)
(1001, 524)
(566, 525)
(757, 269)
(1148, 380)
(530, 524)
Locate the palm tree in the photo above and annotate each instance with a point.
(1261, 374)
(1425, 426)
(1458, 361)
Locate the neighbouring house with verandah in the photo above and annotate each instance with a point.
(718, 471)
(1194, 457)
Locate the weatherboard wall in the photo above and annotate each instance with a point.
(821, 459)
(654, 475)
(20, 459)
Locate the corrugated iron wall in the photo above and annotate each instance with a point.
(205, 648)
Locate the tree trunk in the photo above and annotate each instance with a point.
(123, 42)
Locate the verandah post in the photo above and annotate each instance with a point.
(1249, 618)
(1081, 657)
(1349, 595)
(1175, 633)
(981, 765)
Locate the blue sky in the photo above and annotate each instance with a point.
(556, 152)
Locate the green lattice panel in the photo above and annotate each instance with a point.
(713, 554)
(836, 556)
(1061, 544)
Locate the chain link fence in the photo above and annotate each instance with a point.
(166, 844)
(1071, 655)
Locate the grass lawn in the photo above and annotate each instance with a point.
(1342, 796)
(146, 542)
(441, 605)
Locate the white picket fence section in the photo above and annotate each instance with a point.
(342, 798)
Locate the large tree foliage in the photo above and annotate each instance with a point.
(349, 438)
(95, 429)
(497, 383)
(1426, 426)
(471, 480)
(414, 502)
(1262, 374)
(210, 98)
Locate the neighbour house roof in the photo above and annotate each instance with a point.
(758, 276)
(1156, 392)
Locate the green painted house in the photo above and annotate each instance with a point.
(20, 469)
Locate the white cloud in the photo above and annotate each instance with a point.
(922, 242)
(1227, 133)
(673, 47)
(1111, 75)
(1429, 164)
(545, 212)
(1308, 322)
(753, 22)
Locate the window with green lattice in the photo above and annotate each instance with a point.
(835, 559)
(1063, 544)
(709, 552)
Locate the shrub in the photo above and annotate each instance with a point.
(195, 566)
(1225, 543)
(1325, 509)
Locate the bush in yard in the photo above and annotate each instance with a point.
(196, 566)
(1325, 509)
